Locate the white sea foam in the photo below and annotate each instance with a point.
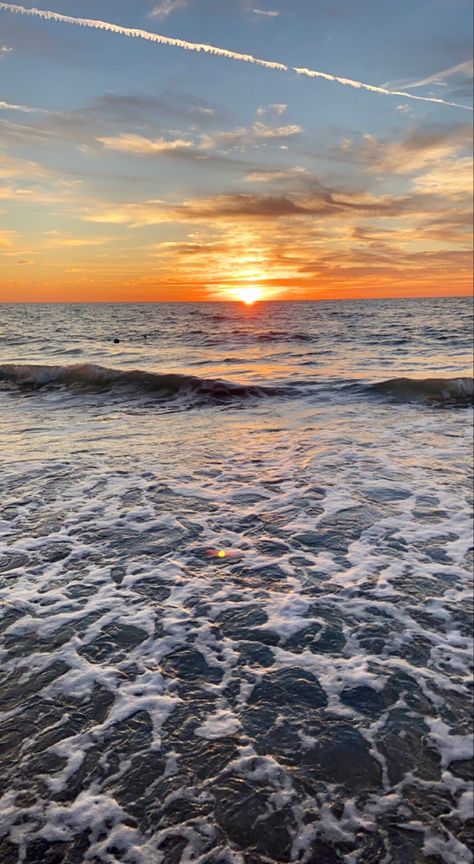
(219, 725)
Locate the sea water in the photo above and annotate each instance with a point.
(235, 564)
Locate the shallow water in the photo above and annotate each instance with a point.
(307, 696)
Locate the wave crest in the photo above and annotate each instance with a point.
(442, 391)
(87, 378)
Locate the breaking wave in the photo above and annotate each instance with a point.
(89, 378)
(442, 391)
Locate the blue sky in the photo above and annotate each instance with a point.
(130, 166)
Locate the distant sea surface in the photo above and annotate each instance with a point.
(235, 565)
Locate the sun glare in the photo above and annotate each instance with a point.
(249, 295)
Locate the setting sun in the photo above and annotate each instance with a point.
(249, 295)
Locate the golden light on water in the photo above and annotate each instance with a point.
(223, 554)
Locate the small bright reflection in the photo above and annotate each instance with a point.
(221, 554)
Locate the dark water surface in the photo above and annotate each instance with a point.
(305, 697)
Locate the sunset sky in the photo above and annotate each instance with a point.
(133, 170)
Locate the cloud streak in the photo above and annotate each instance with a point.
(465, 69)
(267, 13)
(24, 109)
(138, 144)
(166, 7)
(47, 15)
(420, 150)
(205, 144)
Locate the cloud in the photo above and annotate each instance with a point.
(263, 131)
(30, 194)
(310, 254)
(140, 107)
(171, 102)
(166, 7)
(4, 50)
(20, 184)
(419, 150)
(266, 13)
(76, 128)
(64, 241)
(194, 211)
(233, 208)
(465, 69)
(145, 146)
(12, 167)
(7, 239)
(89, 131)
(307, 235)
(140, 145)
(24, 109)
(453, 178)
(278, 109)
(136, 33)
(101, 117)
(316, 238)
(271, 174)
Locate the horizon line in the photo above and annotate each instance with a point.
(234, 301)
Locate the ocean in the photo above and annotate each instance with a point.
(235, 582)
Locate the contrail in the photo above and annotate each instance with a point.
(47, 15)
(465, 68)
(373, 88)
